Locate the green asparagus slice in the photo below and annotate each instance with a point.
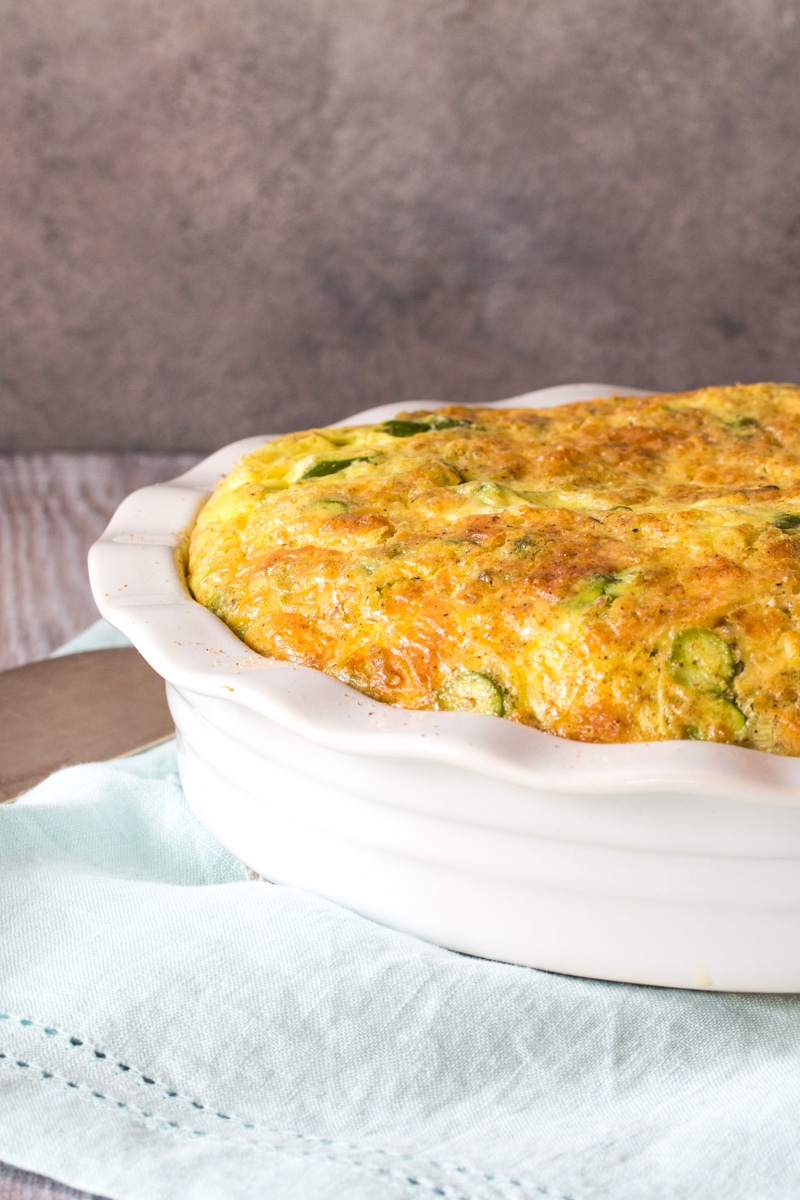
(330, 466)
(328, 507)
(612, 586)
(702, 661)
(720, 712)
(400, 427)
(786, 520)
(472, 691)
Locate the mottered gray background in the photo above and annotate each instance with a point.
(222, 217)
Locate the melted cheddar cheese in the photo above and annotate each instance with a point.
(618, 570)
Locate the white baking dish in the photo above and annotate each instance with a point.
(673, 863)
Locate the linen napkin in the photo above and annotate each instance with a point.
(172, 1029)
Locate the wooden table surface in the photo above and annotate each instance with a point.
(20, 1185)
(52, 507)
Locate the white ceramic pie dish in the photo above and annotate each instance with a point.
(673, 863)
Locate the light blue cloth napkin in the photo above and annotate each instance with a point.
(172, 1030)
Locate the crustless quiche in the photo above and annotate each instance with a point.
(618, 570)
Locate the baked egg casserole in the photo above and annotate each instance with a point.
(616, 570)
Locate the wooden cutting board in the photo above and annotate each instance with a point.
(78, 708)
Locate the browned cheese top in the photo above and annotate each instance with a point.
(618, 570)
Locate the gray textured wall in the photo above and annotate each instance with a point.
(221, 217)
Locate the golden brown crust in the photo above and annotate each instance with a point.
(565, 557)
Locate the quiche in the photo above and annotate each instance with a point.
(616, 570)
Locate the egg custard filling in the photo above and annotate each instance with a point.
(617, 570)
